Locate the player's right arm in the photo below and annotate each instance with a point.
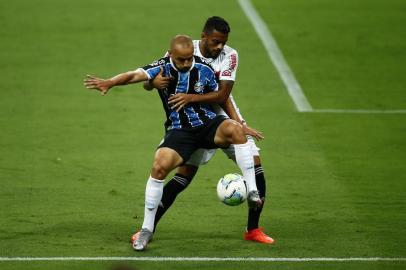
(231, 109)
(104, 85)
(226, 77)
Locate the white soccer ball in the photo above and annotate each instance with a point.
(231, 189)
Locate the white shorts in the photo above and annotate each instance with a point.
(202, 156)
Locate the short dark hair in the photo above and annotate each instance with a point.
(216, 23)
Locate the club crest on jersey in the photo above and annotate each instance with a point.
(226, 73)
(199, 87)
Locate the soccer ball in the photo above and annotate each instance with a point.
(231, 189)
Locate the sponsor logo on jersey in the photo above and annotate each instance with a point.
(233, 62)
(231, 66)
(158, 62)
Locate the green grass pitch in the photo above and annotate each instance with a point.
(74, 164)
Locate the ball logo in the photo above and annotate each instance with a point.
(199, 86)
(231, 189)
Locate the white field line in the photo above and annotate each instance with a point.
(208, 259)
(360, 111)
(276, 56)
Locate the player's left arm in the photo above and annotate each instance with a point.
(230, 107)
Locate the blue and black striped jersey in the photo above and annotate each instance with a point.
(200, 79)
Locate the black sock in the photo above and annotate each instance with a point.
(175, 186)
(254, 214)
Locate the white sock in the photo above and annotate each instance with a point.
(245, 161)
(153, 195)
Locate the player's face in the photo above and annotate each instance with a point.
(182, 58)
(213, 43)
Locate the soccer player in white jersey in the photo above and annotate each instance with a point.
(224, 59)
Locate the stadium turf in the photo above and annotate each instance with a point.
(74, 164)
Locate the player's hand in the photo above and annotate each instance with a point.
(179, 101)
(161, 82)
(253, 132)
(102, 85)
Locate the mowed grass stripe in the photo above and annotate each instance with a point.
(216, 259)
(292, 85)
(359, 111)
(340, 68)
(275, 55)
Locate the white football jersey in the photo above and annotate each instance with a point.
(225, 66)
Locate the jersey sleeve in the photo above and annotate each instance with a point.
(236, 107)
(229, 65)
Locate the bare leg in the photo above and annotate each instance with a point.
(165, 160)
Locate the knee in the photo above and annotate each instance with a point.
(257, 161)
(159, 169)
(187, 171)
(230, 132)
(237, 133)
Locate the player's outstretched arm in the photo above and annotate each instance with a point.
(104, 85)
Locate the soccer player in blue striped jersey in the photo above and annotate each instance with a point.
(198, 80)
(224, 60)
(192, 127)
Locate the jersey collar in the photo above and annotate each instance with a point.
(173, 65)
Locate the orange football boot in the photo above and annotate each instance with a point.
(258, 235)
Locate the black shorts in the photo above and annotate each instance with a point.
(185, 142)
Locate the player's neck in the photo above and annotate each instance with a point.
(203, 52)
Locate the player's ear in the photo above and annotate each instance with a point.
(169, 52)
(203, 35)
